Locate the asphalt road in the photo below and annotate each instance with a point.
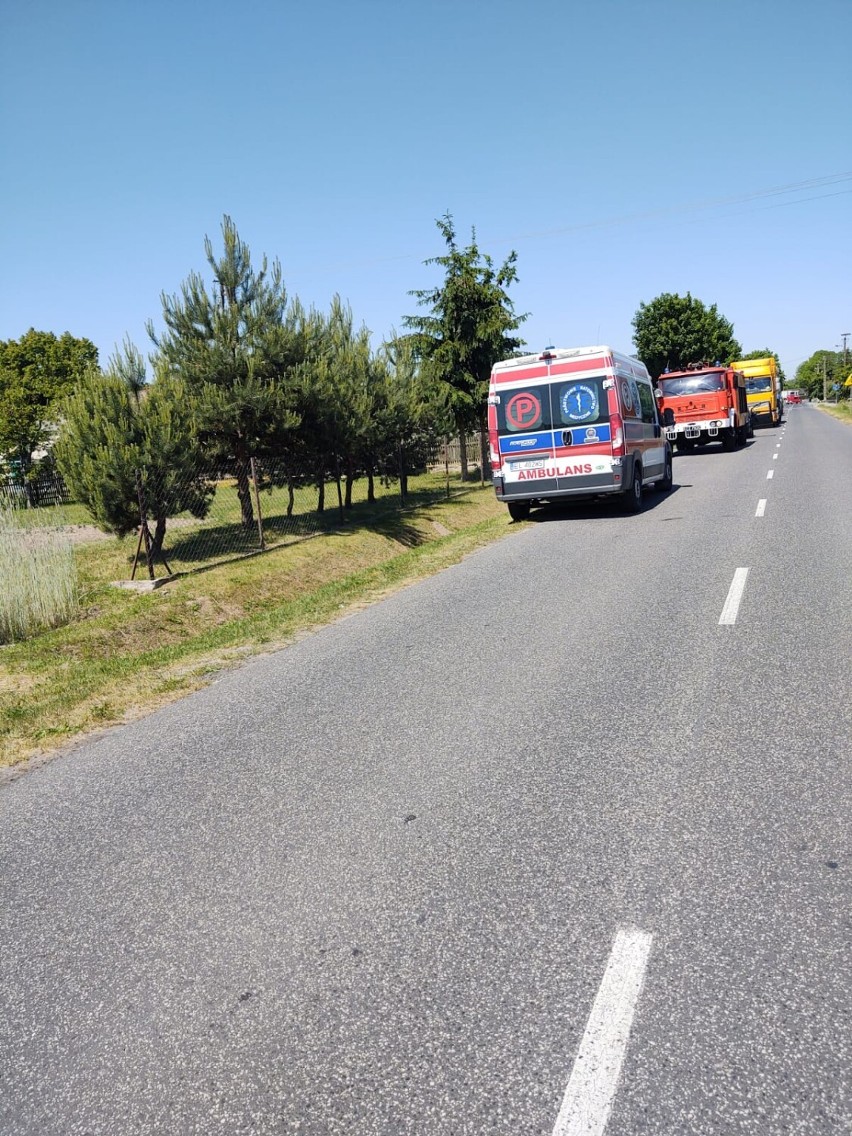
(373, 883)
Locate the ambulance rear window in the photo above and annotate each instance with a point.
(580, 401)
(547, 406)
(524, 410)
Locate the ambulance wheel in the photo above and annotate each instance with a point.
(633, 498)
(518, 510)
(666, 482)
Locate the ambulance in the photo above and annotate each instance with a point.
(572, 424)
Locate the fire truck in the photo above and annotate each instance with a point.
(704, 403)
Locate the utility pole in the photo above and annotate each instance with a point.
(824, 382)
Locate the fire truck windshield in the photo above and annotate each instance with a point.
(699, 383)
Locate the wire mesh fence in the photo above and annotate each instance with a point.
(203, 515)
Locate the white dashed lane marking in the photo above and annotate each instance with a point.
(594, 1079)
(735, 595)
(770, 475)
(761, 507)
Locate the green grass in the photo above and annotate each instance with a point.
(841, 410)
(52, 516)
(39, 578)
(130, 652)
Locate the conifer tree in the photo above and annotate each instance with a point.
(107, 436)
(470, 324)
(233, 349)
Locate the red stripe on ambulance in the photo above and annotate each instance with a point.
(525, 374)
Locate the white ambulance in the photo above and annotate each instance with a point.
(574, 423)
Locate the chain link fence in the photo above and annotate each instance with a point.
(216, 512)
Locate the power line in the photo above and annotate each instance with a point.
(697, 206)
(633, 218)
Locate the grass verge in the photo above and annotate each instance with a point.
(130, 653)
(841, 410)
(39, 577)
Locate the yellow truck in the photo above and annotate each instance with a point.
(763, 390)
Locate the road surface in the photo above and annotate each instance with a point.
(557, 841)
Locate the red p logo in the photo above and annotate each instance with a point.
(523, 411)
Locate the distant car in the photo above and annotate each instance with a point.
(794, 396)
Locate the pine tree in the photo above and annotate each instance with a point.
(233, 349)
(107, 436)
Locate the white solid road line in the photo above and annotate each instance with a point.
(770, 475)
(735, 595)
(761, 507)
(594, 1079)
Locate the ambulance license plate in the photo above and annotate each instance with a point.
(537, 464)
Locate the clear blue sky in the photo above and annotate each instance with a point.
(623, 148)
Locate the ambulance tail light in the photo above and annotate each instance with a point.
(494, 451)
(616, 426)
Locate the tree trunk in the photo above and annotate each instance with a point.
(484, 458)
(291, 497)
(159, 535)
(371, 485)
(463, 454)
(29, 487)
(350, 482)
(403, 475)
(321, 489)
(244, 493)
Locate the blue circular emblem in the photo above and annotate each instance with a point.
(579, 403)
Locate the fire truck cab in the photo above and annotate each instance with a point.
(704, 403)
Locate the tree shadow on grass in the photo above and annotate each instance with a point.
(400, 531)
(205, 545)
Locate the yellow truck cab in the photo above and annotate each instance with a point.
(763, 390)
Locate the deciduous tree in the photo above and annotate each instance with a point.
(672, 331)
(36, 371)
(818, 374)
